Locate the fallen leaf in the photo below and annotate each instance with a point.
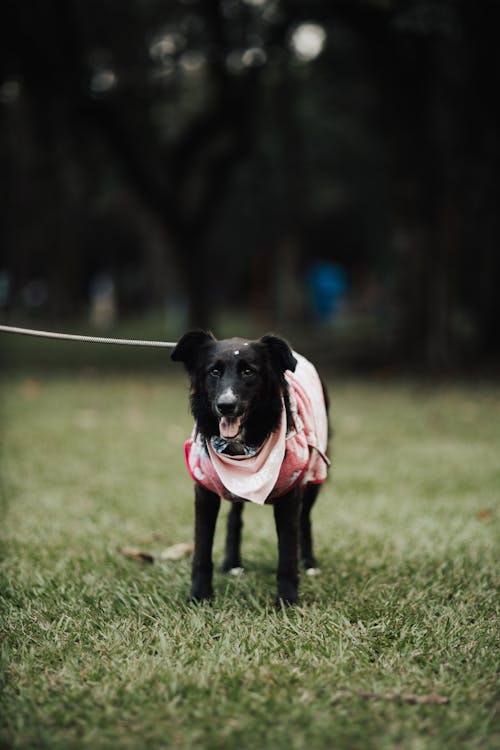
(485, 514)
(176, 551)
(136, 553)
(432, 698)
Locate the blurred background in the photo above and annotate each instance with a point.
(326, 169)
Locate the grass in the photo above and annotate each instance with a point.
(100, 651)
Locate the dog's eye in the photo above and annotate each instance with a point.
(215, 372)
(247, 372)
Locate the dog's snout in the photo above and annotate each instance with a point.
(226, 409)
(227, 402)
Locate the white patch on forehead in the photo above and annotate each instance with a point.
(236, 352)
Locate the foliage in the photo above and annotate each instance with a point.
(101, 651)
(148, 139)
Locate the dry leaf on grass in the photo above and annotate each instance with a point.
(176, 551)
(136, 554)
(485, 514)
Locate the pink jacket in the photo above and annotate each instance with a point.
(283, 461)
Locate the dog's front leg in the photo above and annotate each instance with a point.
(232, 559)
(286, 516)
(206, 506)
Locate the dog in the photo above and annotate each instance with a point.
(260, 435)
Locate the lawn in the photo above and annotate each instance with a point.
(395, 644)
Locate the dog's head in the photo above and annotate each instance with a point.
(237, 385)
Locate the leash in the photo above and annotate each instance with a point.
(87, 339)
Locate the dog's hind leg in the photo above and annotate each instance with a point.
(232, 559)
(207, 506)
(286, 516)
(306, 541)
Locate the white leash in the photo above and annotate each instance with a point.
(87, 339)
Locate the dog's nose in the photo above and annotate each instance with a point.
(226, 408)
(226, 403)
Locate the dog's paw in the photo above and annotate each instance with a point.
(236, 572)
(199, 596)
(313, 571)
(199, 600)
(281, 603)
(229, 565)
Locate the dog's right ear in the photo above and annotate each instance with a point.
(188, 347)
(280, 352)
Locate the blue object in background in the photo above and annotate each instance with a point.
(328, 286)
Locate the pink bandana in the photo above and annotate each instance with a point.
(283, 460)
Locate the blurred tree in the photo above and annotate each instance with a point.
(213, 149)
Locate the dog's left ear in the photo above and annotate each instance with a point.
(280, 353)
(188, 347)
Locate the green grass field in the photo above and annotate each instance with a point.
(395, 644)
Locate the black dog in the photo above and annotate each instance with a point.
(253, 415)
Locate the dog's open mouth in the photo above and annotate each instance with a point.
(229, 427)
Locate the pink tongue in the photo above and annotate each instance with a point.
(229, 427)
